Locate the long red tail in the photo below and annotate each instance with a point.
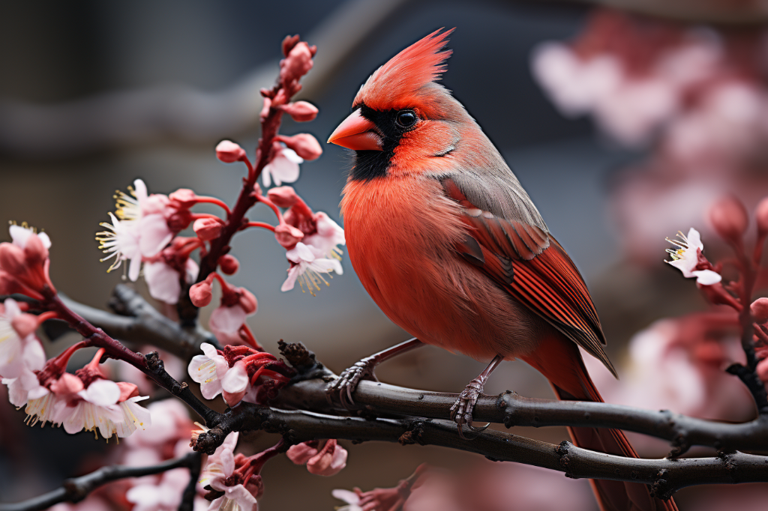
(560, 361)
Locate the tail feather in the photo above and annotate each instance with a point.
(560, 361)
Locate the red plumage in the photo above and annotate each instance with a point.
(450, 246)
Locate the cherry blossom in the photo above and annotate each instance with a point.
(351, 498)
(686, 258)
(24, 263)
(308, 265)
(219, 471)
(163, 496)
(284, 167)
(328, 237)
(163, 279)
(208, 370)
(322, 457)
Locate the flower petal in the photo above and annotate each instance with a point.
(707, 277)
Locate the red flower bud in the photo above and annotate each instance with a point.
(208, 228)
(12, 259)
(283, 196)
(185, 197)
(297, 63)
(761, 214)
(301, 111)
(289, 42)
(200, 294)
(304, 144)
(24, 324)
(229, 264)
(729, 218)
(178, 220)
(35, 252)
(759, 310)
(247, 301)
(288, 236)
(229, 152)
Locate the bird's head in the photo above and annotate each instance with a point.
(402, 119)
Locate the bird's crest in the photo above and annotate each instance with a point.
(400, 79)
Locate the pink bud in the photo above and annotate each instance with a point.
(289, 42)
(247, 301)
(12, 259)
(229, 152)
(200, 294)
(288, 236)
(759, 310)
(178, 220)
(208, 228)
(301, 111)
(229, 264)
(729, 218)
(35, 252)
(761, 214)
(283, 196)
(305, 145)
(127, 391)
(301, 453)
(185, 197)
(24, 324)
(329, 461)
(297, 63)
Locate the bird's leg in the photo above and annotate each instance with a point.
(347, 381)
(461, 411)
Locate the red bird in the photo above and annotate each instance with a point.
(450, 246)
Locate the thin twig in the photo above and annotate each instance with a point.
(77, 489)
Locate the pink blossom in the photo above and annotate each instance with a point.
(170, 424)
(323, 457)
(208, 370)
(163, 496)
(220, 467)
(24, 263)
(283, 168)
(686, 258)
(308, 265)
(328, 236)
(163, 280)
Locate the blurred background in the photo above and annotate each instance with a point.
(624, 123)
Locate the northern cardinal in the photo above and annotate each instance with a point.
(450, 246)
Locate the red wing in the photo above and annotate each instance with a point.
(534, 268)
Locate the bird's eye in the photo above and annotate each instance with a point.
(406, 118)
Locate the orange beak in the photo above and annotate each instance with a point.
(358, 133)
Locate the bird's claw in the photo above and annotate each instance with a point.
(461, 411)
(348, 380)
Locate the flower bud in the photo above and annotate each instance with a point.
(184, 197)
(208, 228)
(229, 152)
(247, 301)
(178, 220)
(288, 236)
(289, 42)
(729, 218)
(200, 294)
(35, 252)
(127, 391)
(229, 264)
(761, 214)
(12, 259)
(283, 196)
(305, 145)
(297, 63)
(24, 324)
(759, 310)
(301, 111)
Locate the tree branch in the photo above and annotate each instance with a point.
(511, 409)
(77, 489)
(139, 322)
(665, 475)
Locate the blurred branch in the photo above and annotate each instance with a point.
(511, 409)
(177, 112)
(667, 476)
(140, 323)
(77, 489)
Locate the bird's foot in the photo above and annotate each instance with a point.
(348, 380)
(461, 411)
